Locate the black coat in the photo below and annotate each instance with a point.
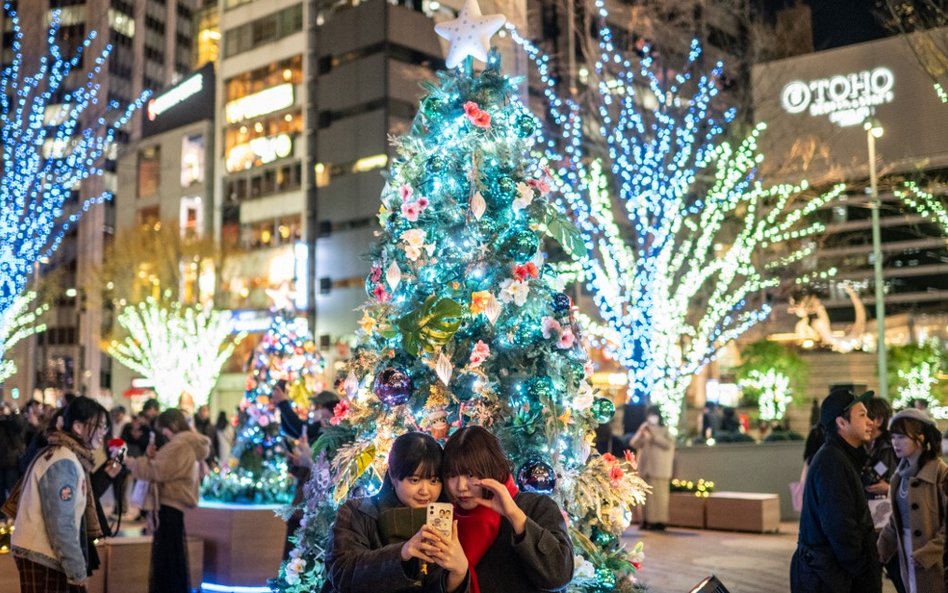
(359, 561)
(540, 560)
(836, 548)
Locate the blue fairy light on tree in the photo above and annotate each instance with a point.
(464, 324)
(46, 158)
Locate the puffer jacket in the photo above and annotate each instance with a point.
(50, 524)
(176, 469)
(836, 547)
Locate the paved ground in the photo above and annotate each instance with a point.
(677, 559)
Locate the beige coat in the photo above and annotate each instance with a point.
(176, 469)
(927, 503)
(655, 451)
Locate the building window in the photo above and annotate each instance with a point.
(253, 81)
(149, 218)
(264, 182)
(263, 30)
(192, 160)
(149, 171)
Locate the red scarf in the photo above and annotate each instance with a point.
(477, 530)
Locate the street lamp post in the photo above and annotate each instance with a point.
(873, 131)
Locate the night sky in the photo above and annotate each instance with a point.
(838, 22)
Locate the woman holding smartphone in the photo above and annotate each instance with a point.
(514, 541)
(381, 544)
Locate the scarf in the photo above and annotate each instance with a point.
(60, 438)
(397, 522)
(908, 466)
(477, 530)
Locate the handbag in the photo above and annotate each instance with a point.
(796, 491)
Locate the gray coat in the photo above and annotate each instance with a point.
(540, 560)
(926, 500)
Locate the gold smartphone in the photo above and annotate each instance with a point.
(441, 517)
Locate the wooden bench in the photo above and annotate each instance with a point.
(686, 510)
(743, 511)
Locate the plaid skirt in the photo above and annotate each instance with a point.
(38, 578)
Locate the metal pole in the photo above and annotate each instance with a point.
(874, 206)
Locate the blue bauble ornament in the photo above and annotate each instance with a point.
(561, 303)
(525, 126)
(602, 410)
(393, 386)
(600, 537)
(528, 332)
(433, 107)
(462, 386)
(606, 578)
(540, 387)
(537, 476)
(519, 244)
(507, 188)
(577, 371)
(436, 164)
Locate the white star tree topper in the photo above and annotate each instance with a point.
(470, 33)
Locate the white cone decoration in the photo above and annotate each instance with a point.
(351, 386)
(493, 309)
(444, 368)
(478, 205)
(393, 275)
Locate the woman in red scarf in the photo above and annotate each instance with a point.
(514, 541)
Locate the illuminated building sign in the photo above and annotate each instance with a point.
(259, 151)
(847, 99)
(175, 95)
(188, 102)
(262, 103)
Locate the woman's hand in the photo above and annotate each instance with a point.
(417, 547)
(501, 503)
(446, 552)
(880, 487)
(112, 468)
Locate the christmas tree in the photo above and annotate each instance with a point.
(258, 472)
(465, 324)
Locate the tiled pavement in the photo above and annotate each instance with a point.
(677, 559)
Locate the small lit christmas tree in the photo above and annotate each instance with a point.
(465, 325)
(259, 473)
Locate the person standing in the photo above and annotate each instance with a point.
(655, 451)
(877, 473)
(56, 518)
(836, 544)
(915, 533)
(12, 446)
(176, 470)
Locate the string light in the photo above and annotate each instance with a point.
(673, 268)
(178, 348)
(17, 323)
(45, 161)
(924, 203)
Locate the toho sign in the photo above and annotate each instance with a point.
(847, 99)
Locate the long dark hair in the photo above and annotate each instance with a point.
(412, 454)
(88, 411)
(474, 450)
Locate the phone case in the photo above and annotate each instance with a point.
(441, 517)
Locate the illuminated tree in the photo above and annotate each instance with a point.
(19, 322)
(179, 349)
(465, 325)
(924, 203)
(915, 372)
(773, 373)
(45, 158)
(684, 238)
